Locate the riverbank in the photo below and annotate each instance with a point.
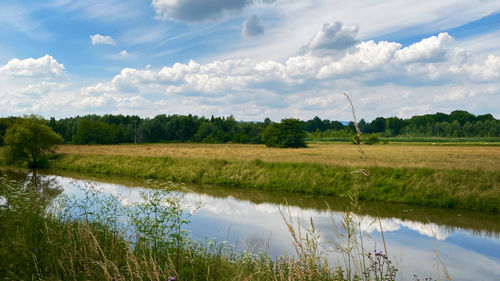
(473, 189)
(469, 220)
(97, 237)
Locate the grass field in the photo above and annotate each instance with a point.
(338, 154)
(465, 177)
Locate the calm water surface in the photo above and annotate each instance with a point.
(468, 242)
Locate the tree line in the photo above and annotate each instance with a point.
(458, 123)
(112, 129)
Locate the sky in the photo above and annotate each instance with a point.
(249, 58)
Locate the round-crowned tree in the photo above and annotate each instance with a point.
(287, 134)
(29, 140)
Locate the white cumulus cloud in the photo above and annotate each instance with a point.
(333, 37)
(432, 49)
(307, 83)
(488, 70)
(42, 88)
(367, 57)
(45, 66)
(434, 74)
(102, 39)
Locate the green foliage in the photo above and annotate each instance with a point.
(270, 135)
(5, 123)
(356, 140)
(457, 124)
(95, 132)
(372, 139)
(157, 220)
(112, 129)
(190, 128)
(207, 132)
(29, 140)
(287, 134)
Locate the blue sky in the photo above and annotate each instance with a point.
(249, 58)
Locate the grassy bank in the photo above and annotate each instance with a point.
(475, 189)
(90, 243)
(451, 217)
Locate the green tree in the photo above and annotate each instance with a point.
(286, 134)
(5, 123)
(95, 132)
(468, 129)
(30, 140)
(270, 135)
(206, 132)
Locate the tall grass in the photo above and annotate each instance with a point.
(80, 240)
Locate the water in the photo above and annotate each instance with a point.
(468, 242)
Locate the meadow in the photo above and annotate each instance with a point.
(467, 157)
(466, 177)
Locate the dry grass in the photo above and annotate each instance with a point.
(341, 154)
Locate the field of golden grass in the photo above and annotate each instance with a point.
(339, 154)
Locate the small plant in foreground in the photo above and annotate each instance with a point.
(380, 267)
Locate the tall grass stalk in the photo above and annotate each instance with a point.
(439, 263)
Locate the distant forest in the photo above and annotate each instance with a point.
(112, 129)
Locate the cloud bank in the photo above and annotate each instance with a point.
(384, 78)
(45, 66)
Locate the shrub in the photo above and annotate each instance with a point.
(372, 139)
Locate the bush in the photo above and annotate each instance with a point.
(287, 134)
(372, 139)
